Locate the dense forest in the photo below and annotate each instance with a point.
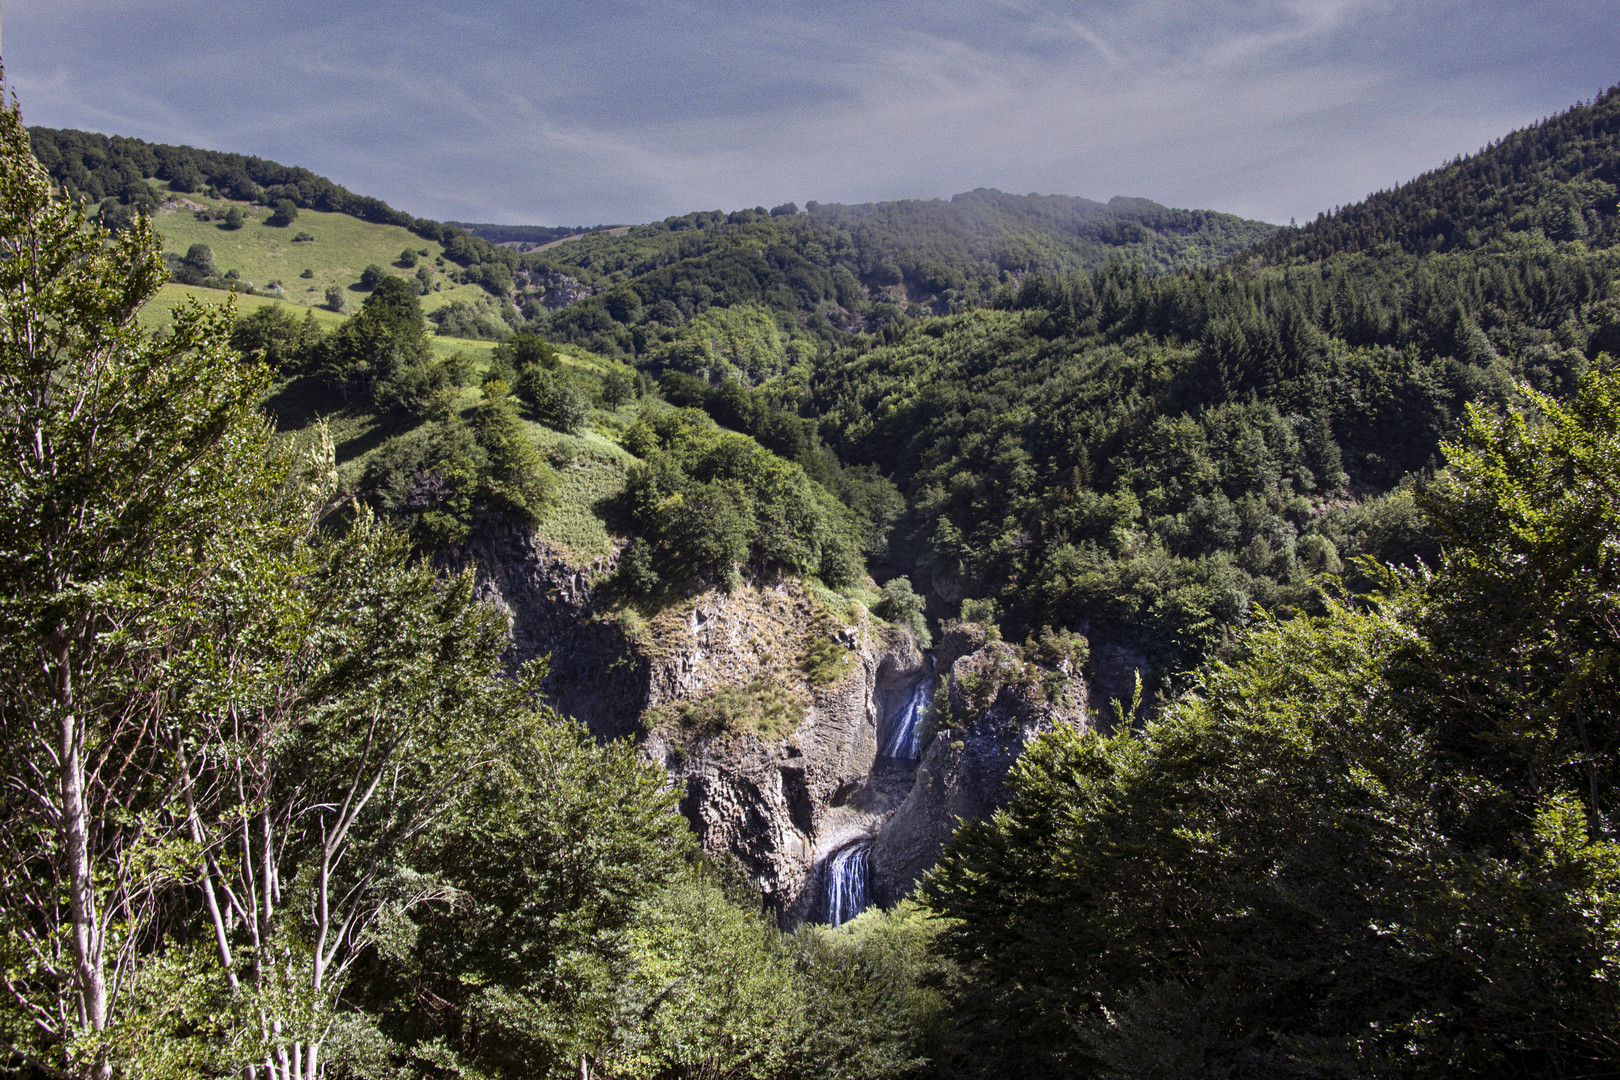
(1345, 496)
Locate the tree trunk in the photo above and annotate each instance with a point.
(75, 830)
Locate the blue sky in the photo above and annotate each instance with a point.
(574, 113)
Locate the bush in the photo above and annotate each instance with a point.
(372, 276)
(556, 402)
(461, 319)
(902, 606)
(334, 297)
(285, 213)
(289, 345)
(526, 348)
(635, 574)
(424, 390)
(234, 218)
(200, 257)
(407, 259)
(617, 389)
(519, 479)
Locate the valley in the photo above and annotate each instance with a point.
(1011, 635)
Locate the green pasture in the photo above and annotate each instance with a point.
(342, 247)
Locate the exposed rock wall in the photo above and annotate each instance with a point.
(595, 675)
(778, 801)
(779, 792)
(996, 702)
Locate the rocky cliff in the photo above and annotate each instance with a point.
(767, 706)
(994, 700)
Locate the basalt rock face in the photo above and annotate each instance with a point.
(594, 674)
(778, 797)
(767, 706)
(997, 702)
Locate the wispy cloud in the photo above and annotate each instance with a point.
(585, 113)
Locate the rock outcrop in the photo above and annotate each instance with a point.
(767, 706)
(778, 792)
(997, 700)
(594, 674)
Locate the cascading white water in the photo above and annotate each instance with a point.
(849, 872)
(904, 730)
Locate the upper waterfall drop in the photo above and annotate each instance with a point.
(905, 728)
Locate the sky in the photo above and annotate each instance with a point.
(623, 111)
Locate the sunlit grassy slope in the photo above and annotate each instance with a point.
(342, 247)
(591, 466)
(157, 313)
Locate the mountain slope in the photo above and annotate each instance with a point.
(1557, 181)
(923, 256)
(1155, 459)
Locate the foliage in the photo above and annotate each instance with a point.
(708, 501)
(635, 573)
(556, 855)
(765, 707)
(284, 213)
(384, 339)
(871, 267)
(134, 470)
(740, 342)
(1344, 848)
(1551, 181)
(556, 401)
(1146, 454)
(462, 319)
(901, 605)
(872, 1006)
(279, 339)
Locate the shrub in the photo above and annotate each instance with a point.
(901, 605)
(372, 276)
(234, 218)
(635, 574)
(285, 213)
(200, 257)
(617, 389)
(556, 402)
(334, 297)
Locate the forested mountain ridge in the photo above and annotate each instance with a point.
(1557, 180)
(1156, 458)
(834, 268)
(924, 255)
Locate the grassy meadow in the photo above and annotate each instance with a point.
(341, 248)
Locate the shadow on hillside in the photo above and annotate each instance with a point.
(378, 430)
(297, 403)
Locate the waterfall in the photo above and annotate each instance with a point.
(907, 724)
(848, 875)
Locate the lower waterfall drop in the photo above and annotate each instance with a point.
(849, 873)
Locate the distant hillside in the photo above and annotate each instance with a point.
(521, 234)
(1558, 180)
(911, 257)
(117, 173)
(1152, 459)
(831, 270)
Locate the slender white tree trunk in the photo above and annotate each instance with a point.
(75, 829)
